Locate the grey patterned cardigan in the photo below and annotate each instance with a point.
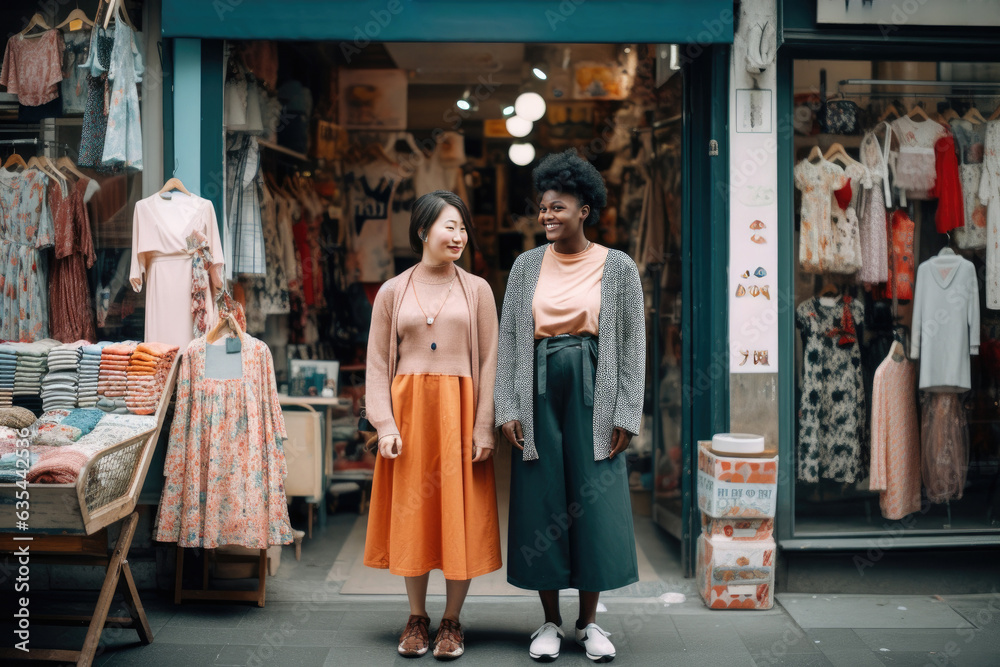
(621, 351)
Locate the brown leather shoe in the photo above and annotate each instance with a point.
(450, 641)
(416, 637)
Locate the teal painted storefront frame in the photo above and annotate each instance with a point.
(803, 39)
(357, 22)
(705, 238)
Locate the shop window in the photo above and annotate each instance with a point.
(896, 360)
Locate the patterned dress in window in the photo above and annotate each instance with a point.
(832, 404)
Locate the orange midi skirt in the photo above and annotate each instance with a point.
(432, 508)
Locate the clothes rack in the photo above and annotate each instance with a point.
(263, 143)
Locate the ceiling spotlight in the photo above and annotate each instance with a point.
(463, 104)
(521, 154)
(539, 73)
(530, 106)
(509, 110)
(628, 50)
(519, 127)
(466, 102)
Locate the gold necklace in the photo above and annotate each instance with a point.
(430, 320)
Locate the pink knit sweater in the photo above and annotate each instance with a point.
(383, 349)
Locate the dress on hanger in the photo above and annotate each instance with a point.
(902, 268)
(69, 292)
(969, 140)
(873, 218)
(95, 119)
(944, 436)
(161, 229)
(25, 229)
(945, 328)
(225, 466)
(816, 237)
(123, 138)
(950, 212)
(244, 231)
(832, 404)
(895, 445)
(989, 195)
(915, 169)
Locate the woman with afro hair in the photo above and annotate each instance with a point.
(568, 394)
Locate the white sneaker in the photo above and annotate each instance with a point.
(595, 640)
(545, 642)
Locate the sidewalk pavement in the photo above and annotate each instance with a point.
(807, 630)
(308, 622)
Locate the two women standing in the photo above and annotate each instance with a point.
(568, 394)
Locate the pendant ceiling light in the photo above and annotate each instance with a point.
(521, 154)
(519, 127)
(529, 106)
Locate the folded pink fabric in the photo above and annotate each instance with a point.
(60, 466)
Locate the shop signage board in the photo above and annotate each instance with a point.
(753, 232)
(891, 16)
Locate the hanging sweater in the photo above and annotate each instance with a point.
(945, 329)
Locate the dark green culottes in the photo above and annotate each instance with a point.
(570, 516)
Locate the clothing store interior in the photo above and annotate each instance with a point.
(902, 265)
(327, 147)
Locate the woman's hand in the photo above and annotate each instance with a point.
(512, 431)
(620, 439)
(480, 454)
(390, 446)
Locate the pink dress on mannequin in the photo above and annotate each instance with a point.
(160, 258)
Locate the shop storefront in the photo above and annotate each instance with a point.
(636, 87)
(870, 464)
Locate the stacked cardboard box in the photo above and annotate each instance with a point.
(735, 562)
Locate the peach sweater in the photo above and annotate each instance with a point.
(390, 325)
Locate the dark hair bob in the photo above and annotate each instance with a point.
(570, 174)
(426, 210)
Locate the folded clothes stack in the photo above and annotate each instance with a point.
(60, 385)
(30, 367)
(8, 364)
(111, 384)
(146, 376)
(90, 368)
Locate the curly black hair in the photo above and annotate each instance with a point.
(570, 174)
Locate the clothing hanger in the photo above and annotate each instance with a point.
(891, 109)
(174, 184)
(37, 21)
(974, 117)
(38, 163)
(51, 168)
(15, 160)
(815, 153)
(917, 110)
(836, 151)
(949, 114)
(116, 9)
(76, 21)
(995, 115)
(67, 164)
